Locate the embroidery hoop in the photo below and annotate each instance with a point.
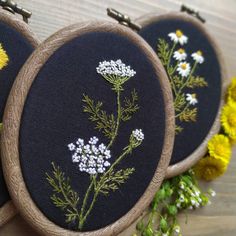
(188, 162)
(12, 120)
(7, 211)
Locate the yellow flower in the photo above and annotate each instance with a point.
(219, 147)
(228, 120)
(232, 91)
(3, 57)
(209, 168)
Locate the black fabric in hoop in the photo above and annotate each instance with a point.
(208, 98)
(18, 49)
(53, 117)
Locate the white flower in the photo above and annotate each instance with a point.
(178, 37)
(178, 205)
(71, 146)
(193, 202)
(93, 140)
(212, 192)
(184, 69)
(191, 98)
(90, 158)
(117, 68)
(190, 207)
(197, 56)
(181, 198)
(180, 54)
(138, 134)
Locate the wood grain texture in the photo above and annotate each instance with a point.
(192, 159)
(12, 121)
(7, 211)
(219, 218)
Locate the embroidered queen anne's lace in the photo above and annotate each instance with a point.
(91, 158)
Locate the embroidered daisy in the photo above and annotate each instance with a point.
(184, 69)
(180, 55)
(178, 37)
(198, 57)
(191, 98)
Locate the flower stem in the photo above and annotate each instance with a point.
(118, 118)
(171, 52)
(85, 200)
(179, 114)
(190, 74)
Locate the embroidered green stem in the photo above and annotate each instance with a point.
(190, 75)
(97, 189)
(81, 216)
(170, 55)
(179, 114)
(117, 119)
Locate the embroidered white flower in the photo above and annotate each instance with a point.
(183, 69)
(191, 98)
(180, 55)
(117, 68)
(178, 37)
(91, 158)
(138, 134)
(198, 57)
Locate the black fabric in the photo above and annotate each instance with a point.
(53, 117)
(18, 49)
(208, 98)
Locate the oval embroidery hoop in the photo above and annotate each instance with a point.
(12, 122)
(189, 161)
(7, 211)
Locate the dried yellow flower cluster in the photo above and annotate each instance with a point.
(215, 163)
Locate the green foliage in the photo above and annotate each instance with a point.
(163, 51)
(112, 181)
(179, 103)
(196, 82)
(130, 106)
(176, 194)
(64, 197)
(104, 122)
(179, 83)
(178, 129)
(188, 115)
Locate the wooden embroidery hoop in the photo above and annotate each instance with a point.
(7, 211)
(184, 165)
(12, 120)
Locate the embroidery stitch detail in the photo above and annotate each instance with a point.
(182, 76)
(94, 158)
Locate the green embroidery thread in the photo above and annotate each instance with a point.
(93, 158)
(181, 76)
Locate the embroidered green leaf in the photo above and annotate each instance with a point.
(179, 102)
(197, 81)
(163, 51)
(104, 122)
(178, 82)
(188, 115)
(130, 106)
(64, 197)
(114, 180)
(178, 129)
